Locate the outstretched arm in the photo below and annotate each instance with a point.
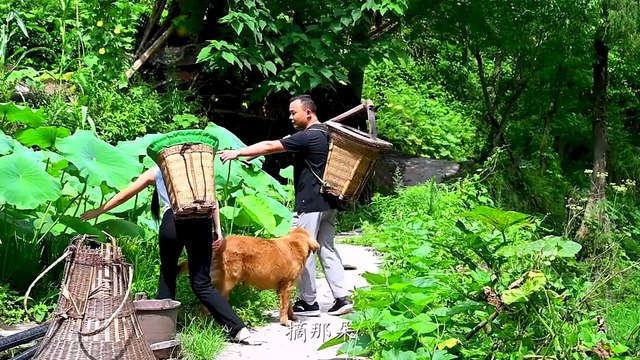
(262, 148)
(145, 179)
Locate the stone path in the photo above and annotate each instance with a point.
(302, 340)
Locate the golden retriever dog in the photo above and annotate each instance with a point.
(262, 263)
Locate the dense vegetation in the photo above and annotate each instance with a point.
(531, 253)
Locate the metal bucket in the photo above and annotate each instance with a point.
(166, 349)
(157, 318)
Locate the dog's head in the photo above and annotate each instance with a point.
(304, 237)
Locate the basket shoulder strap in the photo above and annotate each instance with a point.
(326, 134)
(323, 130)
(322, 182)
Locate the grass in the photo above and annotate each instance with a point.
(621, 304)
(201, 340)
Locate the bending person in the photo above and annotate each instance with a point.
(196, 235)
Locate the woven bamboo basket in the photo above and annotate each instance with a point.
(352, 155)
(95, 317)
(189, 177)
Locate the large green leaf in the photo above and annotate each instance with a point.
(43, 137)
(558, 247)
(43, 158)
(56, 162)
(228, 140)
(25, 184)
(357, 346)
(6, 143)
(549, 247)
(234, 174)
(258, 179)
(238, 216)
(21, 114)
(499, 219)
(19, 226)
(98, 161)
(283, 227)
(287, 173)
(146, 221)
(277, 209)
(139, 145)
(230, 173)
(79, 226)
(259, 211)
(534, 281)
(120, 227)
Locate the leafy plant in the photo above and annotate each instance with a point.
(264, 37)
(64, 174)
(461, 280)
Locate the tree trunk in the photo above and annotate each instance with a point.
(553, 108)
(593, 210)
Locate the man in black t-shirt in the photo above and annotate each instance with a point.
(313, 210)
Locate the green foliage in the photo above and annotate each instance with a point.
(476, 76)
(37, 186)
(125, 114)
(74, 173)
(418, 116)
(97, 161)
(201, 340)
(274, 40)
(12, 311)
(452, 262)
(620, 303)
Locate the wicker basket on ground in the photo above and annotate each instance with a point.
(95, 318)
(352, 154)
(186, 160)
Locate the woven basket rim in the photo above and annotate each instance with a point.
(357, 135)
(175, 149)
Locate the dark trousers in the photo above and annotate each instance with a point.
(196, 236)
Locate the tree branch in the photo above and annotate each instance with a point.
(485, 93)
(481, 325)
(150, 52)
(155, 16)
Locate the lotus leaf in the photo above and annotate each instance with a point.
(98, 161)
(43, 137)
(22, 114)
(25, 184)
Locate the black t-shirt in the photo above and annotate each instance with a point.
(312, 145)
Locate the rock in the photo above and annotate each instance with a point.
(407, 170)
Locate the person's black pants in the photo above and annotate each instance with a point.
(196, 235)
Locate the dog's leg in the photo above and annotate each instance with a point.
(286, 312)
(292, 317)
(225, 288)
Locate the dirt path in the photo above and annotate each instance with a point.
(302, 341)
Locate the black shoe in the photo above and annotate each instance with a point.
(301, 307)
(341, 306)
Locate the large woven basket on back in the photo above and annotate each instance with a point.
(95, 318)
(352, 155)
(186, 159)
